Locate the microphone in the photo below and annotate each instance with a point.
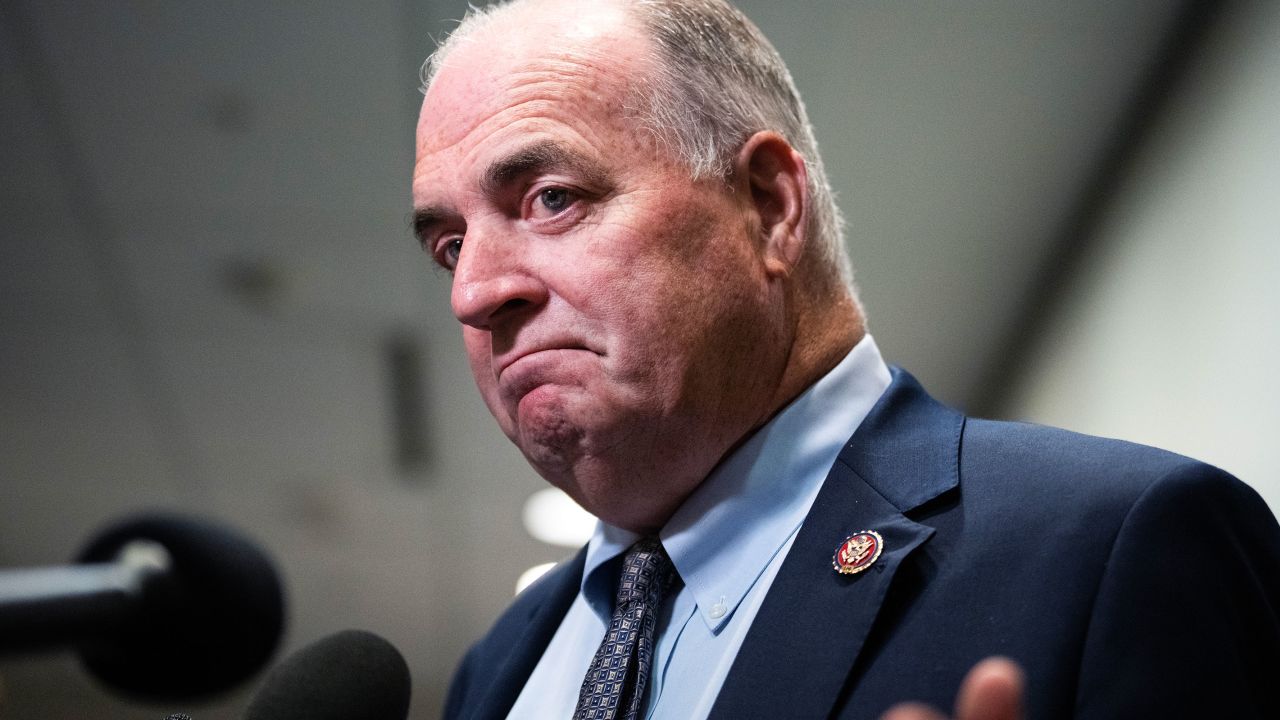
(159, 606)
(351, 674)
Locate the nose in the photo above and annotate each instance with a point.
(493, 282)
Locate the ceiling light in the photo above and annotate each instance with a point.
(550, 516)
(528, 576)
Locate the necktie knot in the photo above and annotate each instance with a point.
(646, 573)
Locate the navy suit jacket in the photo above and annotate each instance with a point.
(1129, 582)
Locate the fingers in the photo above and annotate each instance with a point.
(991, 691)
(912, 711)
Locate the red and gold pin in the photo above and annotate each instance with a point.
(858, 552)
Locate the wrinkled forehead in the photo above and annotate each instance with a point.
(554, 57)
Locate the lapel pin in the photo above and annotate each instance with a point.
(858, 552)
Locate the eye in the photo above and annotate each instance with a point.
(449, 252)
(553, 209)
(555, 199)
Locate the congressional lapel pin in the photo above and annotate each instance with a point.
(858, 552)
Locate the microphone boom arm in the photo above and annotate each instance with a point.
(53, 607)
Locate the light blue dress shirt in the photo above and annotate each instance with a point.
(727, 541)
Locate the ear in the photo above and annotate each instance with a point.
(779, 194)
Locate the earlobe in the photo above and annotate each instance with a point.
(775, 173)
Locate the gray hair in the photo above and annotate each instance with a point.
(716, 80)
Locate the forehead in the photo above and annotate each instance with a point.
(529, 74)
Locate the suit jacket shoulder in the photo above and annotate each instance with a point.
(1150, 582)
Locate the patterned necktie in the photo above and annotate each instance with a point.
(614, 686)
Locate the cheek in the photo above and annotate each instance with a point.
(479, 352)
(682, 295)
(479, 356)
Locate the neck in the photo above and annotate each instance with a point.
(826, 329)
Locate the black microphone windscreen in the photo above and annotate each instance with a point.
(351, 674)
(211, 622)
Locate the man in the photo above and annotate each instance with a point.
(649, 270)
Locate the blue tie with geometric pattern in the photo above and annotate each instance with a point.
(614, 686)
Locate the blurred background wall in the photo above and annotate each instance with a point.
(1168, 332)
(210, 301)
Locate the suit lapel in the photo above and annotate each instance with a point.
(527, 649)
(814, 622)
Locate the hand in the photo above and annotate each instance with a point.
(991, 691)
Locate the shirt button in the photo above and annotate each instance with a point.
(718, 610)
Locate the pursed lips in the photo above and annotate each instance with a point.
(528, 370)
(537, 354)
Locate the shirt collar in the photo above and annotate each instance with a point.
(727, 532)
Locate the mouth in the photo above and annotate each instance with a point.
(538, 357)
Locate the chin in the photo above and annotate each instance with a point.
(553, 449)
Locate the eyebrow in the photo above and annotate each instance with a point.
(423, 220)
(542, 156)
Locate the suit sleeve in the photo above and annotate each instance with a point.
(455, 701)
(1186, 623)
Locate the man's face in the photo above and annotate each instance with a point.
(616, 314)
